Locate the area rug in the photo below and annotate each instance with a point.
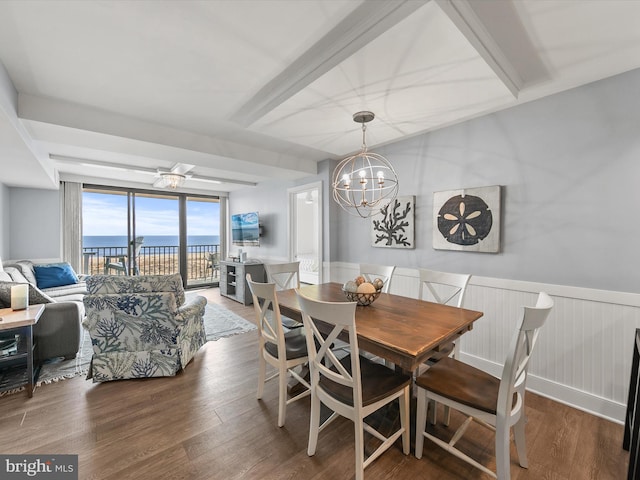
(218, 323)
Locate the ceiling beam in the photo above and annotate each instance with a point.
(360, 27)
(64, 123)
(467, 21)
(145, 170)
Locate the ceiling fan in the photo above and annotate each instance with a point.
(173, 178)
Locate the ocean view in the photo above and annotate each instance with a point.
(93, 241)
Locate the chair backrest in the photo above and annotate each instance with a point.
(323, 362)
(110, 284)
(384, 272)
(136, 245)
(121, 298)
(267, 310)
(514, 372)
(284, 275)
(443, 287)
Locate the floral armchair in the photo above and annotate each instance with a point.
(140, 326)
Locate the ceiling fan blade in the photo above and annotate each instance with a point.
(181, 168)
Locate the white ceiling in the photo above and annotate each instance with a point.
(259, 89)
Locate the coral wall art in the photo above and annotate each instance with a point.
(393, 227)
(467, 219)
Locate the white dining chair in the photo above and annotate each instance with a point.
(448, 289)
(285, 276)
(497, 403)
(284, 352)
(371, 271)
(352, 386)
(445, 288)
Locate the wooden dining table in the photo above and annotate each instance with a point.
(402, 330)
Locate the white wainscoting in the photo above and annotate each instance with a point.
(583, 357)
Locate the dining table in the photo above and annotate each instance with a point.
(403, 330)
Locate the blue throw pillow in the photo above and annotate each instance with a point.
(54, 275)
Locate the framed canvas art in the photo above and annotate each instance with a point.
(393, 227)
(467, 219)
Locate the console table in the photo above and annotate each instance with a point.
(233, 282)
(19, 323)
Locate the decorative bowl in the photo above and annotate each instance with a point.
(363, 299)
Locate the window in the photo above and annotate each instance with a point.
(150, 233)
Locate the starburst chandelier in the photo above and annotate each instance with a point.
(366, 182)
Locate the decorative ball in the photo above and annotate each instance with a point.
(378, 283)
(366, 287)
(350, 286)
(360, 280)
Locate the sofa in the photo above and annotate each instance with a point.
(58, 331)
(141, 326)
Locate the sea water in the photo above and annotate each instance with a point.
(108, 241)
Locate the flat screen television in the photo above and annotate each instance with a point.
(245, 229)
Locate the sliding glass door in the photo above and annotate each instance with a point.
(203, 240)
(156, 228)
(131, 232)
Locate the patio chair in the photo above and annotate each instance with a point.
(213, 263)
(119, 262)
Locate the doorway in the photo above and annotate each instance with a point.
(305, 231)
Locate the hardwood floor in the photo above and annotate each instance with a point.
(206, 423)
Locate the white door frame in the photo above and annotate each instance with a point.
(292, 227)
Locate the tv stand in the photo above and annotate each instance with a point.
(233, 282)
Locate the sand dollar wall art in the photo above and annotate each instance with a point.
(393, 227)
(467, 219)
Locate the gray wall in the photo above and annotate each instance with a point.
(569, 165)
(272, 202)
(34, 222)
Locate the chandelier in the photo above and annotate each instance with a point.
(172, 180)
(366, 182)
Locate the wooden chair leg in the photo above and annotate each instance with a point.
(503, 461)
(282, 396)
(359, 434)
(433, 409)
(521, 445)
(262, 373)
(314, 425)
(447, 415)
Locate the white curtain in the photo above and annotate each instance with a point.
(71, 208)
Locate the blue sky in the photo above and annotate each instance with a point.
(106, 214)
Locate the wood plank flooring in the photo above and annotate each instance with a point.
(206, 423)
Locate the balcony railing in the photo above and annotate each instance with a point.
(157, 260)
